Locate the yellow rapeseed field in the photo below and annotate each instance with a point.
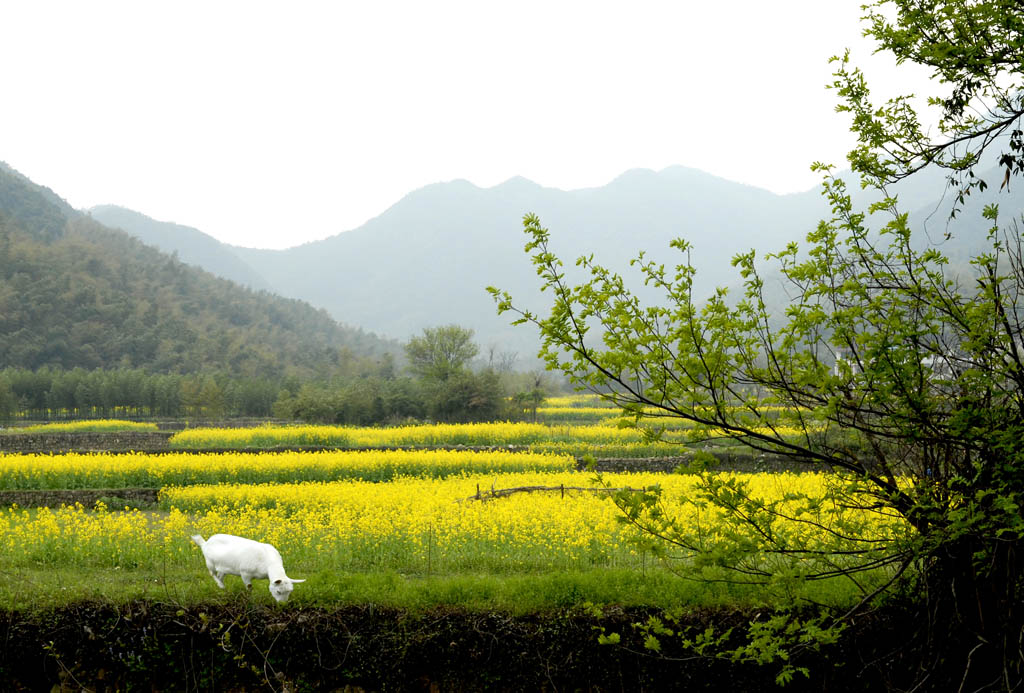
(100, 425)
(571, 412)
(410, 525)
(601, 439)
(105, 470)
(578, 400)
(478, 434)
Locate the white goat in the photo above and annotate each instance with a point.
(230, 555)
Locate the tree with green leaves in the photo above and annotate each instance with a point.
(527, 401)
(975, 49)
(898, 376)
(440, 358)
(466, 396)
(441, 352)
(8, 402)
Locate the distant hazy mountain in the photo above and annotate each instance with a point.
(74, 293)
(929, 203)
(427, 260)
(192, 246)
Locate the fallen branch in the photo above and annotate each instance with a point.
(562, 488)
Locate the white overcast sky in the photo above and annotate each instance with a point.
(273, 124)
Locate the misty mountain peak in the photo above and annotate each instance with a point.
(517, 183)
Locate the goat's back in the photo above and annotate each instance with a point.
(238, 555)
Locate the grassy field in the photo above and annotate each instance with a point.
(403, 527)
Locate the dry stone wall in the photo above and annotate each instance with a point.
(84, 442)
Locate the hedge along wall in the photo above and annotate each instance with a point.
(246, 647)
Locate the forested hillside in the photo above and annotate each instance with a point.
(192, 246)
(74, 293)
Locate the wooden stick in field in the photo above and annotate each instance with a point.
(504, 492)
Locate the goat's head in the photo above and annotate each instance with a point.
(281, 588)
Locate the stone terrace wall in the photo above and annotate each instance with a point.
(727, 462)
(84, 442)
(55, 498)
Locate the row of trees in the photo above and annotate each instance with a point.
(53, 393)
(441, 385)
(371, 400)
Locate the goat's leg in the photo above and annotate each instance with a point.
(218, 577)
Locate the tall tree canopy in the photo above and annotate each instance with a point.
(441, 352)
(975, 49)
(899, 376)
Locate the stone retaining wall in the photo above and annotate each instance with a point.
(727, 462)
(84, 442)
(54, 498)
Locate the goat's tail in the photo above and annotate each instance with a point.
(198, 539)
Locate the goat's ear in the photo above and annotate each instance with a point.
(302, 580)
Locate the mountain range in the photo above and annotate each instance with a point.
(428, 259)
(75, 293)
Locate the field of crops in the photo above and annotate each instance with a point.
(89, 426)
(601, 440)
(412, 525)
(415, 501)
(103, 470)
(536, 435)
